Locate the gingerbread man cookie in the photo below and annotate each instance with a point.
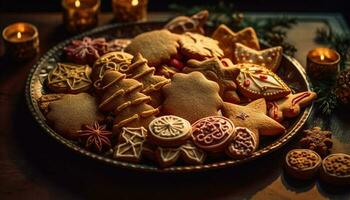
(199, 47)
(223, 72)
(252, 116)
(269, 58)
(157, 46)
(69, 78)
(290, 105)
(169, 130)
(130, 144)
(213, 133)
(256, 82)
(182, 24)
(191, 96)
(228, 39)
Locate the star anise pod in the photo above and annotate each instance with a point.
(86, 51)
(95, 137)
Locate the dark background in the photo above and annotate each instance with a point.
(162, 5)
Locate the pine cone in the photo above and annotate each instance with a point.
(342, 88)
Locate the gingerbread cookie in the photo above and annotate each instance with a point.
(130, 144)
(69, 78)
(95, 137)
(169, 131)
(336, 169)
(199, 47)
(86, 51)
(252, 116)
(192, 154)
(269, 58)
(167, 71)
(302, 163)
(182, 24)
(140, 71)
(167, 156)
(257, 82)
(317, 140)
(46, 99)
(223, 72)
(123, 97)
(243, 145)
(191, 96)
(157, 46)
(115, 61)
(228, 39)
(213, 133)
(290, 105)
(71, 112)
(118, 44)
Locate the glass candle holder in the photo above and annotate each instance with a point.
(130, 10)
(21, 41)
(80, 15)
(322, 63)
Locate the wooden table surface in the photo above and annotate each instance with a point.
(34, 166)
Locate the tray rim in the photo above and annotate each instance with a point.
(39, 118)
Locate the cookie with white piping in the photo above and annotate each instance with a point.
(169, 131)
(269, 58)
(257, 82)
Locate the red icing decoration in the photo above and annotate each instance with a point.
(176, 63)
(246, 83)
(300, 97)
(212, 132)
(264, 77)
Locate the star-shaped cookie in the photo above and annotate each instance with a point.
(69, 78)
(252, 116)
(269, 58)
(223, 72)
(228, 39)
(191, 96)
(290, 105)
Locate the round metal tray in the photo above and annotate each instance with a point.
(290, 71)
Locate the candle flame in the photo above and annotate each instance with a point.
(19, 35)
(77, 3)
(135, 2)
(322, 57)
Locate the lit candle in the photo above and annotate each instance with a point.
(80, 15)
(130, 10)
(21, 41)
(322, 63)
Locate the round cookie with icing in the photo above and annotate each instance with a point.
(213, 133)
(302, 163)
(256, 82)
(336, 169)
(169, 131)
(114, 61)
(243, 145)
